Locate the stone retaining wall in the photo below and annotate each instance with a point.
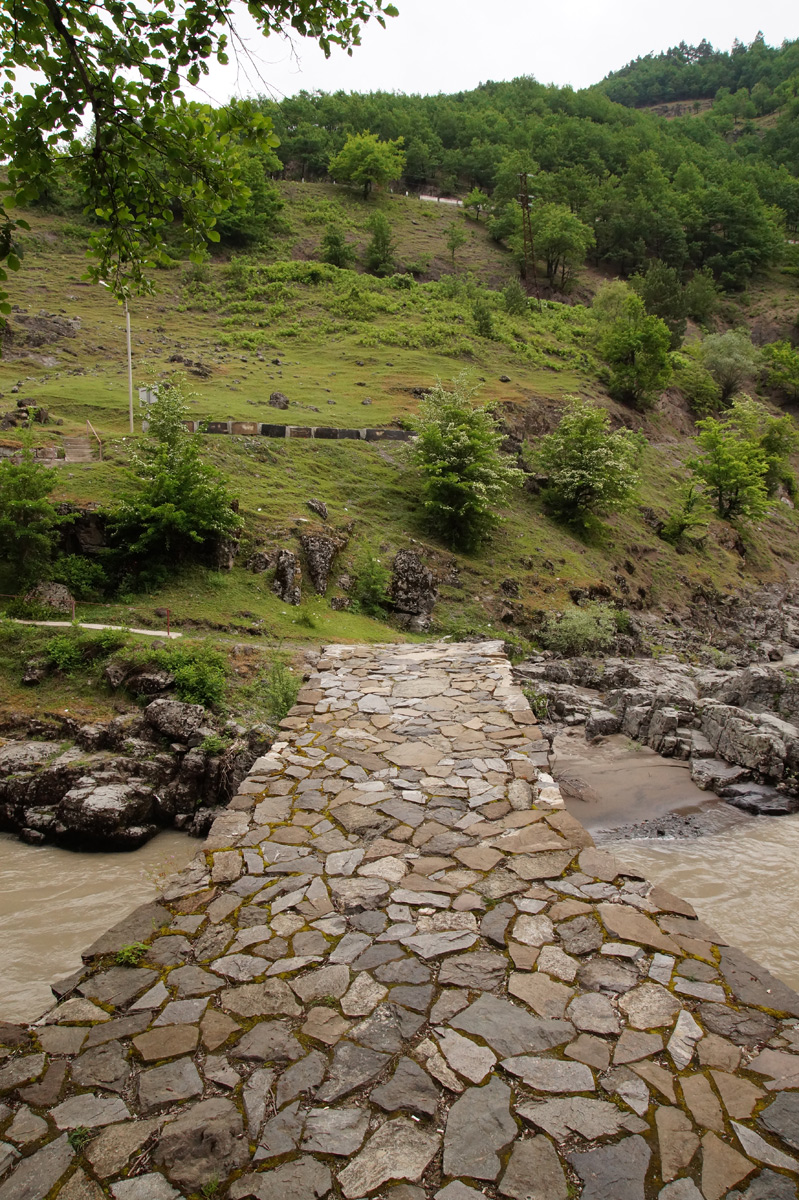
(322, 432)
(400, 969)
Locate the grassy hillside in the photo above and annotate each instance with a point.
(351, 350)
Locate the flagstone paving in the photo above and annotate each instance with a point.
(400, 969)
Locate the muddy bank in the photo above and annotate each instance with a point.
(54, 902)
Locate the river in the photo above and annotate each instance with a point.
(54, 903)
(741, 874)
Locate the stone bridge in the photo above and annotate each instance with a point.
(400, 969)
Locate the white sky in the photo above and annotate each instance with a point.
(449, 45)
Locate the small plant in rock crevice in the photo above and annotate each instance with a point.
(79, 1138)
(130, 955)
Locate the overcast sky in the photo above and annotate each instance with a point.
(449, 45)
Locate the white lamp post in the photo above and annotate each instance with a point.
(130, 357)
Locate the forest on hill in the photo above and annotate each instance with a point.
(716, 191)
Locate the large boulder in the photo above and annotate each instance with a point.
(174, 719)
(51, 595)
(413, 592)
(287, 583)
(118, 816)
(278, 400)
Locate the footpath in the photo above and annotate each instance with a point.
(400, 969)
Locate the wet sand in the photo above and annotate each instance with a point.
(54, 903)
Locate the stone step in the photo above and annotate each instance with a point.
(76, 450)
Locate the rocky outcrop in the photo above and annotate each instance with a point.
(718, 720)
(320, 551)
(120, 781)
(83, 530)
(413, 592)
(287, 583)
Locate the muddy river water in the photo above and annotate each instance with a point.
(54, 903)
(741, 874)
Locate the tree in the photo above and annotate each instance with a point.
(731, 359)
(465, 475)
(179, 506)
(483, 317)
(701, 296)
(28, 519)
(367, 162)
(591, 469)
(663, 295)
(636, 348)
(336, 250)
(118, 70)
(733, 468)
(476, 202)
(380, 250)
(783, 368)
(561, 238)
(455, 239)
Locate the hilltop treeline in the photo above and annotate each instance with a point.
(692, 192)
(768, 74)
(713, 192)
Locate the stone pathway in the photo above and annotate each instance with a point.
(401, 970)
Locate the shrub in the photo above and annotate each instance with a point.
(636, 348)
(372, 578)
(180, 504)
(336, 250)
(64, 652)
(84, 577)
(465, 474)
(200, 672)
(733, 467)
(483, 318)
(214, 744)
(731, 359)
(697, 385)
(589, 630)
(689, 521)
(380, 250)
(515, 298)
(279, 689)
(591, 469)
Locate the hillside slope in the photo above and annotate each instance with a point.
(351, 350)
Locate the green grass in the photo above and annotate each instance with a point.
(344, 339)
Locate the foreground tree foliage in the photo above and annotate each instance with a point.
(591, 470)
(179, 506)
(149, 153)
(465, 475)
